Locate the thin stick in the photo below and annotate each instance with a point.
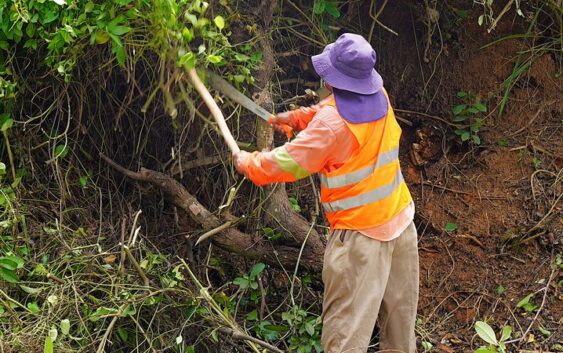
(214, 231)
(241, 336)
(110, 329)
(137, 266)
(214, 109)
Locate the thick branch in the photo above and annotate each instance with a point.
(230, 239)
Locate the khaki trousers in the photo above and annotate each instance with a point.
(364, 277)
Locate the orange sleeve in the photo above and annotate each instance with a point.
(301, 117)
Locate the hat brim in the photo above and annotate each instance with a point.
(361, 108)
(337, 79)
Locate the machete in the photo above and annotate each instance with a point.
(227, 89)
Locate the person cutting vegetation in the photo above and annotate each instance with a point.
(351, 138)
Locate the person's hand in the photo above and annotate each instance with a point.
(282, 123)
(240, 159)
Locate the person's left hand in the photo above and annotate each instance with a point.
(240, 160)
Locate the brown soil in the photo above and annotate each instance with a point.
(495, 194)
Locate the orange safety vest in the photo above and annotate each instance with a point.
(368, 190)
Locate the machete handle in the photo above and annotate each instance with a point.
(288, 130)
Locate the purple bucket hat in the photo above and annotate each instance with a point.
(347, 65)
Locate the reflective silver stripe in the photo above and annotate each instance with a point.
(359, 175)
(365, 198)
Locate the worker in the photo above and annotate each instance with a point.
(351, 138)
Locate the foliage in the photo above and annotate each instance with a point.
(487, 334)
(305, 329)
(469, 112)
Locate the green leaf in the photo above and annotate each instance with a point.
(7, 124)
(476, 139)
(524, 301)
(65, 326)
(83, 181)
(484, 349)
(481, 107)
(61, 151)
(332, 9)
(465, 136)
(544, 332)
(2, 168)
(459, 108)
(187, 34)
(257, 269)
(241, 282)
(48, 347)
(31, 290)
(252, 316)
(119, 30)
(459, 118)
(319, 7)
(119, 52)
(8, 263)
(505, 333)
(310, 328)
(219, 22)
(486, 332)
(450, 227)
(215, 59)
(8, 275)
(480, 20)
(188, 60)
(427, 346)
(33, 307)
(500, 290)
(502, 142)
(461, 94)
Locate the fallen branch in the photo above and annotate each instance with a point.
(232, 239)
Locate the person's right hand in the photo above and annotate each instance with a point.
(282, 123)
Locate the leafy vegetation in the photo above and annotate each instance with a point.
(469, 112)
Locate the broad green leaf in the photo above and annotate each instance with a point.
(461, 94)
(188, 60)
(48, 346)
(8, 275)
(119, 30)
(187, 34)
(8, 264)
(524, 301)
(505, 333)
(61, 151)
(476, 139)
(484, 349)
(2, 168)
(500, 290)
(7, 124)
(219, 22)
(30, 290)
(486, 332)
(215, 59)
(83, 181)
(332, 9)
(459, 108)
(252, 316)
(465, 136)
(33, 307)
(450, 227)
(481, 107)
(65, 326)
(319, 7)
(459, 118)
(480, 20)
(257, 269)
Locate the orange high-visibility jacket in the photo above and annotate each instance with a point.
(362, 191)
(368, 190)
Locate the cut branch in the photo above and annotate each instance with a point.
(231, 239)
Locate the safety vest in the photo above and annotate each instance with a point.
(368, 190)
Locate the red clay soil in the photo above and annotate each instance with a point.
(496, 195)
